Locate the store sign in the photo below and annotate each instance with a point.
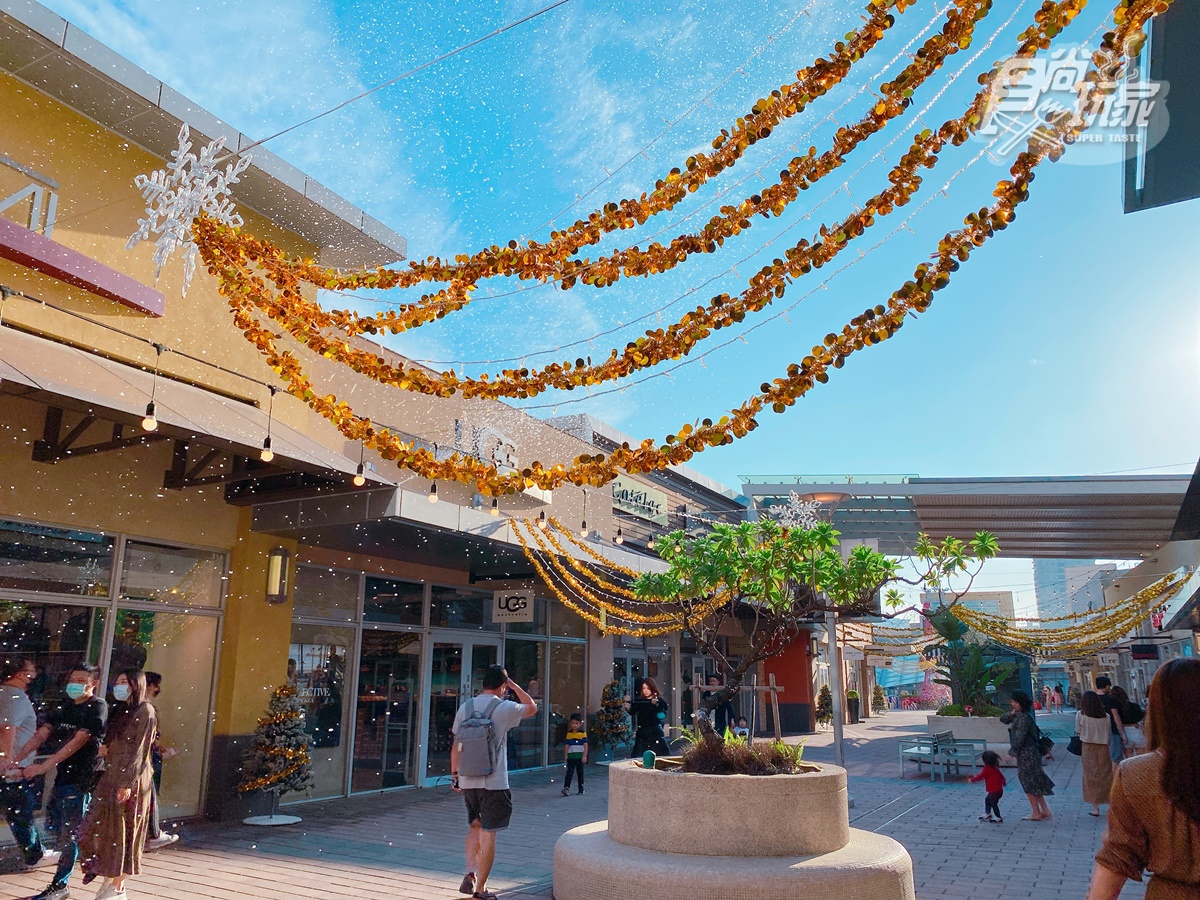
(880, 662)
(638, 500)
(1108, 660)
(512, 606)
(1144, 651)
(853, 654)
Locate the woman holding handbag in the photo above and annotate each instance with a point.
(1132, 715)
(1091, 724)
(1025, 746)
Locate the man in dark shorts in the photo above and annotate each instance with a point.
(489, 801)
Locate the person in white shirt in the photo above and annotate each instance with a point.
(489, 801)
(18, 723)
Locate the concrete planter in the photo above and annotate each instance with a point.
(971, 728)
(736, 837)
(776, 815)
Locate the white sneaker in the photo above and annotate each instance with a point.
(49, 858)
(163, 840)
(108, 892)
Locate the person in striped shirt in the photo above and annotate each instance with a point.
(575, 752)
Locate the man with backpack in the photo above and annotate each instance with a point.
(479, 767)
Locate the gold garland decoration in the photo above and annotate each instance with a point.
(603, 560)
(1106, 627)
(601, 623)
(870, 328)
(588, 572)
(304, 319)
(613, 608)
(811, 83)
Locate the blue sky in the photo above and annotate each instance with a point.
(1068, 345)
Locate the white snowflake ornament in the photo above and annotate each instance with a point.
(798, 513)
(188, 186)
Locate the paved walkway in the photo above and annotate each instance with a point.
(409, 844)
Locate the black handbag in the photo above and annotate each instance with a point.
(1075, 745)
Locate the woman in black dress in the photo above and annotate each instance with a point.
(1023, 742)
(649, 713)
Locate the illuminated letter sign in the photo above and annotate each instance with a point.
(636, 499)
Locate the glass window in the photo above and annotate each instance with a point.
(159, 574)
(452, 607)
(55, 637)
(55, 560)
(317, 667)
(181, 648)
(567, 663)
(326, 593)
(394, 602)
(566, 623)
(538, 625)
(387, 710)
(526, 664)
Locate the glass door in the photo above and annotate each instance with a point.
(456, 673)
(385, 734)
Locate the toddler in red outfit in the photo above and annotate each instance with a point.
(993, 779)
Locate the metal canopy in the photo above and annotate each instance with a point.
(1099, 517)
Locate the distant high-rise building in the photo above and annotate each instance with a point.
(1053, 580)
(994, 603)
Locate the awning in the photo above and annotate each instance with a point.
(184, 412)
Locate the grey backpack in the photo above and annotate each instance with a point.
(477, 746)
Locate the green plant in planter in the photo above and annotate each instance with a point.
(963, 667)
(707, 753)
(879, 702)
(952, 709)
(852, 695)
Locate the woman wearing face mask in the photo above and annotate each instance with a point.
(115, 832)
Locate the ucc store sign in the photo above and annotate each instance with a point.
(636, 499)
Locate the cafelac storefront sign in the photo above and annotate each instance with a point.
(512, 606)
(637, 500)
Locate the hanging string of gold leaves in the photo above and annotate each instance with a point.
(872, 327)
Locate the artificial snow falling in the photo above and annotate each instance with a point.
(189, 186)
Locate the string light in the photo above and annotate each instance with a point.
(433, 494)
(360, 477)
(495, 506)
(619, 538)
(541, 523)
(267, 454)
(150, 421)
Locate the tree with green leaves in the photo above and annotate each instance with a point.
(962, 665)
(774, 580)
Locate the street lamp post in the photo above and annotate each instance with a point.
(835, 686)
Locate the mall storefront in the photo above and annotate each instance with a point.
(383, 663)
(120, 602)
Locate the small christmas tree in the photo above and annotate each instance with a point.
(879, 703)
(825, 705)
(612, 725)
(279, 759)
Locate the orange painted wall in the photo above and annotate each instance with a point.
(793, 671)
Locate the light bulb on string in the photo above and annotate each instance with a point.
(541, 523)
(433, 495)
(495, 506)
(583, 532)
(150, 421)
(620, 538)
(267, 453)
(360, 477)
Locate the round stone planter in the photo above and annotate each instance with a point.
(727, 815)
(735, 837)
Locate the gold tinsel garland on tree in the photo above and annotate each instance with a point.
(874, 326)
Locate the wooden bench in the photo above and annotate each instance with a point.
(940, 750)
